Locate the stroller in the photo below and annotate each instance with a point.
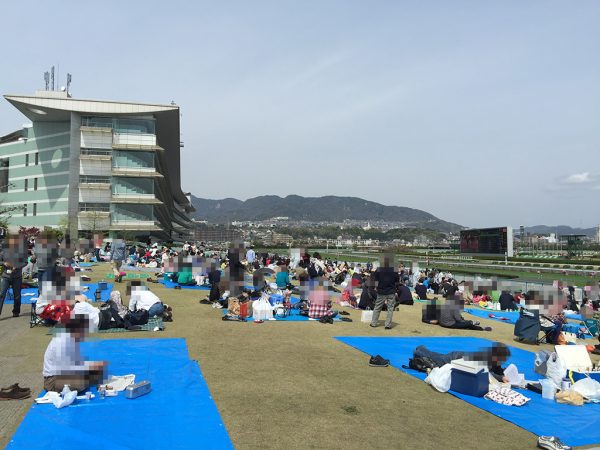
(530, 323)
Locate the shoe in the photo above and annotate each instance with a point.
(16, 314)
(388, 328)
(378, 361)
(551, 443)
(372, 326)
(15, 387)
(487, 329)
(476, 322)
(343, 313)
(14, 394)
(205, 302)
(217, 305)
(345, 319)
(177, 287)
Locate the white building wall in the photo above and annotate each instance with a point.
(134, 139)
(96, 140)
(95, 167)
(87, 195)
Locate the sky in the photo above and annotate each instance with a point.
(481, 113)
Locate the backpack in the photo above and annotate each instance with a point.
(422, 364)
(139, 317)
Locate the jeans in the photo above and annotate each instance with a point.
(117, 267)
(156, 310)
(15, 283)
(390, 301)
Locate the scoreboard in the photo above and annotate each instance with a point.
(487, 241)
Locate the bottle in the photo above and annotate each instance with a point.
(66, 389)
(101, 392)
(98, 295)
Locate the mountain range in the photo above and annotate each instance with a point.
(316, 210)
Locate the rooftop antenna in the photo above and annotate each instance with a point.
(47, 79)
(69, 84)
(52, 77)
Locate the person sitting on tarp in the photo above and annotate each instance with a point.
(451, 317)
(63, 363)
(507, 302)
(282, 279)
(214, 278)
(30, 271)
(403, 295)
(185, 276)
(143, 298)
(319, 302)
(421, 289)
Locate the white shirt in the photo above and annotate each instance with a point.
(250, 256)
(142, 299)
(63, 356)
(92, 313)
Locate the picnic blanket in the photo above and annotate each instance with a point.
(132, 276)
(153, 322)
(574, 425)
(28, 296)
(171, 284)
(512, 317)
(293, 316)
(501, 316)
(93, 287)
(179, 412)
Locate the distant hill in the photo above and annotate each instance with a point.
(558, 229)
(315, 209)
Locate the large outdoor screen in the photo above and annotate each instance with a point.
(488, 241)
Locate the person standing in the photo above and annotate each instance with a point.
(15, 256)
(386, 279)
(250, 256)
(118, 255)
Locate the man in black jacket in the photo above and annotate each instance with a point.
(404, 295)
(421, 290)
(507, 302)
(386, 278)
(14, 259)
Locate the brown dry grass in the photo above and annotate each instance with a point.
(291, 385)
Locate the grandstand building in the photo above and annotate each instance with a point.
(93, 166)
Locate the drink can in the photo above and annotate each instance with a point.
(565, 385)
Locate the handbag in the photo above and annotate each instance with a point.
(138, 317)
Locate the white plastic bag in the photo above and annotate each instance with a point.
(555, 370)
(588, 388)
(262, 309)
(440, 377)
(366, 316)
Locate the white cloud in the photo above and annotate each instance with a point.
(578, 178)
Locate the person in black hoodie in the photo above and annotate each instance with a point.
(404, 296)
(507, 302)
(421, 290)
(386, 278)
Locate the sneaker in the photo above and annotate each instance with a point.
(378, 361)
(372, 326)
(205, 302)
(388, 328)
(551, 443)
(476, 322)
(217, 305)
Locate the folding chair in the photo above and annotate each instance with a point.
(591, 325)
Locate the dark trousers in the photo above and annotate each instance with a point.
(465, 325)
(15, 283)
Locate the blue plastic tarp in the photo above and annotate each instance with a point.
(574, 425)
(178, 413)
(512, 316)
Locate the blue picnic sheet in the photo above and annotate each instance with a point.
(574, 425)
(513, 316)
(179, 412)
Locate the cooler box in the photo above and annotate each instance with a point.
(475, 384)
(275, 298)
(103, 285)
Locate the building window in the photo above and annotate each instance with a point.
(94, 179)
(35, 182)
(27, 160)
(37, 159)
(4, 175)
(24, 209)
(26, 184)
(97, 207)
(35, 209)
